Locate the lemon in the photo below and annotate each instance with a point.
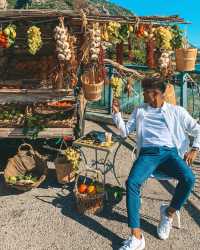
(12, 179)
(7, 31)
(130, 28)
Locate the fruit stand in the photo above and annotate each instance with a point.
(53, 62)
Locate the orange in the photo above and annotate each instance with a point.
(83, 188)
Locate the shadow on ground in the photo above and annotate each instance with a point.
(111, 212)
(5, 190)
(192, 210)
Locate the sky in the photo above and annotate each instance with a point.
(188, 9)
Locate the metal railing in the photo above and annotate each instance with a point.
(187, 88)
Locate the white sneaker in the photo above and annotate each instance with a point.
(165, 225)
(133, 243)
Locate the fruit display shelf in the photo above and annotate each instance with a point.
(34, 95)
(46, 133)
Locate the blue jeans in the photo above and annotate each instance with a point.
(163, 159)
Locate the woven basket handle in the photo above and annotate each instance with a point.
(97, 173)
(25, 145)
(85, 79)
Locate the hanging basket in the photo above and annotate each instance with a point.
(92, 92)
(87, 203)
(64, 170)
(91, 89)
(185, 59)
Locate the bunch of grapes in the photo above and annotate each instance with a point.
(163, 38)
(113, 29)
(34, 39)
(116, 84)
(73, 156)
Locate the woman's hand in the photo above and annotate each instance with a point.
(190, 156)
(115, 106)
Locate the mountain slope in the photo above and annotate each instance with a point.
(68, 4)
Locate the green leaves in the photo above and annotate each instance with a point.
(33, 125)
(123, 33)
(10, 114)
(177, 39)
(139, 56)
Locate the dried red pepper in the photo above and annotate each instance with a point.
(150, 46)
(3, 40)
(119, 53)
(102, 70)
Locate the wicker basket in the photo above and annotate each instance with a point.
(64, 171)
(12, 123)
(27, 187)
(66, 123)
(42, 109)
(185, 59)
(67, 105)
(23, 163)
(89, 203)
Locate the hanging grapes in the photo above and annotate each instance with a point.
(116, 84)
(34, 39)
